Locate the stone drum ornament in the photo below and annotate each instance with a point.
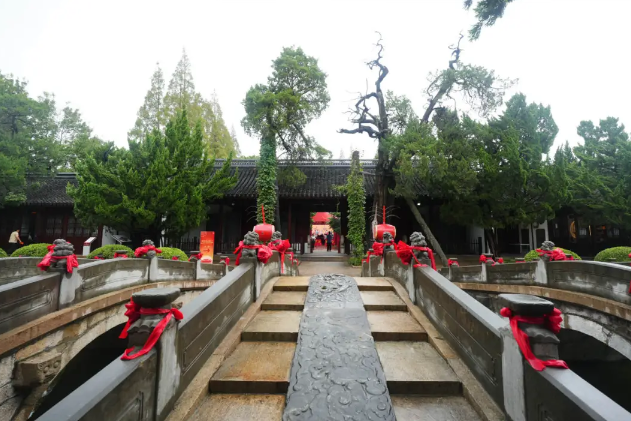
(250, 239)
(388, 241)
(418, 240)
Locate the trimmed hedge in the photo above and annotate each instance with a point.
(3, 254)
(32, 250)
(169, 252)
(107, 252)
(533, 255)
(621, 254)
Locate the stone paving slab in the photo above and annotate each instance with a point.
(373, 284)
(395, 326)
(336, 373)
(292, 283)
(416, 368)
(382, 300)
(255, 367)
(284, 300)
(223, 407)
(446, 408)
(276, 326)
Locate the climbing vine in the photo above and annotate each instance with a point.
(356, 196)
(266, 180)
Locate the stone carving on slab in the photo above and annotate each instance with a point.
(276, 236)
(151, 253)
(61, 252)
(547, 246)
(336, 373)
(418, 240)
(140, 330)
(250, 239)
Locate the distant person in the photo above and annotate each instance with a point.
(329, 241)
(14, 240)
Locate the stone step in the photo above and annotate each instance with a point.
(444, 408)
(285, 300)
(415, 368)
(221, 407)
(382, 300)
(292, 283)
(395, 326)
(274, 326)
(255, 367)
(373, 284)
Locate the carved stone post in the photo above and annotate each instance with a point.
(453, 268)
(169, 370)
(541, 273)
(543, 342)
(153, 261)
(485, 265)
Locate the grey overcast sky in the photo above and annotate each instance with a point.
(99, 55)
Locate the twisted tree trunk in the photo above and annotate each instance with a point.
(428, 232)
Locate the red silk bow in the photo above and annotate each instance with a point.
(133, 313)
(281, 246)
(197, 256)
(71, 261)
(406, 254)
(263, 254)
(555, 255)
(226, 260)
(550, 321)
(452, 262)
(141, 251)
(121, 255)
(484, 259)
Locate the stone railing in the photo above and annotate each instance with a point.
(605, 280)
(147, 388)
(28, 299)
(17, 268)
(486, 344)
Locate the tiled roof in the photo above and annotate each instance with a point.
(50, 191)
(321, 179)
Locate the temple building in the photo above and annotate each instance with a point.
(48, 214)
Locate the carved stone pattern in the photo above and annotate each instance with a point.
(336, 373)
(544, 414)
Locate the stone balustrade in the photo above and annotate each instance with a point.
(486, 344)
(147, 387)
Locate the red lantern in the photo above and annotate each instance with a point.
(264, 230)
(379, 230)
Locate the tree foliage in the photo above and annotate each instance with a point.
(487, 12)
(356, 196)
(162, 105)
(161, 183)
(278, 113)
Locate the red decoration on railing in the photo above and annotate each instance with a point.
(550, 321)
(452, 263)
(175, 258)
(133, 313)
(555, 255)
(281, 246)
(264, 230)
(263, 254)
(121, 255)
(484, 259)
(71, 261)
(141, 251)
(98, 258)
(406, 254)
(226, 260)
(382, 228)
(197, 256)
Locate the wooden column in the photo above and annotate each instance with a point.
(289, 224)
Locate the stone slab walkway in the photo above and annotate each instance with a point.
(336, 372)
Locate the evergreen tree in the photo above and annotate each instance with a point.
(235, 142)
(162, 183)
(152, 114)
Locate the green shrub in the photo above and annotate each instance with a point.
(169, 252)
(620, 254)
(355, 261)
(32, 250)
(533, 255)
(3, 254)
(107, 252)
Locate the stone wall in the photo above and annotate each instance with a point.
(174, 270)
(17, 268)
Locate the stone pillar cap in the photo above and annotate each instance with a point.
(526, 305)
(156, 297)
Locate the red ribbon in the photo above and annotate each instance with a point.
(500, 261)
(71, 261)
(263, 254)
(175, 258)
(121, 255)
(141, 251)
(133, 313)
(555, 255)
(281, 246)
(452, 263)
(98, 258)
(197, 256)
(550, 321)
(226, 260)
(484, 259)
(406, 254)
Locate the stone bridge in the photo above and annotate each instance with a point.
(399, 343)
(593, 296)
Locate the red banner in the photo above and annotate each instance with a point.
(207, 246)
